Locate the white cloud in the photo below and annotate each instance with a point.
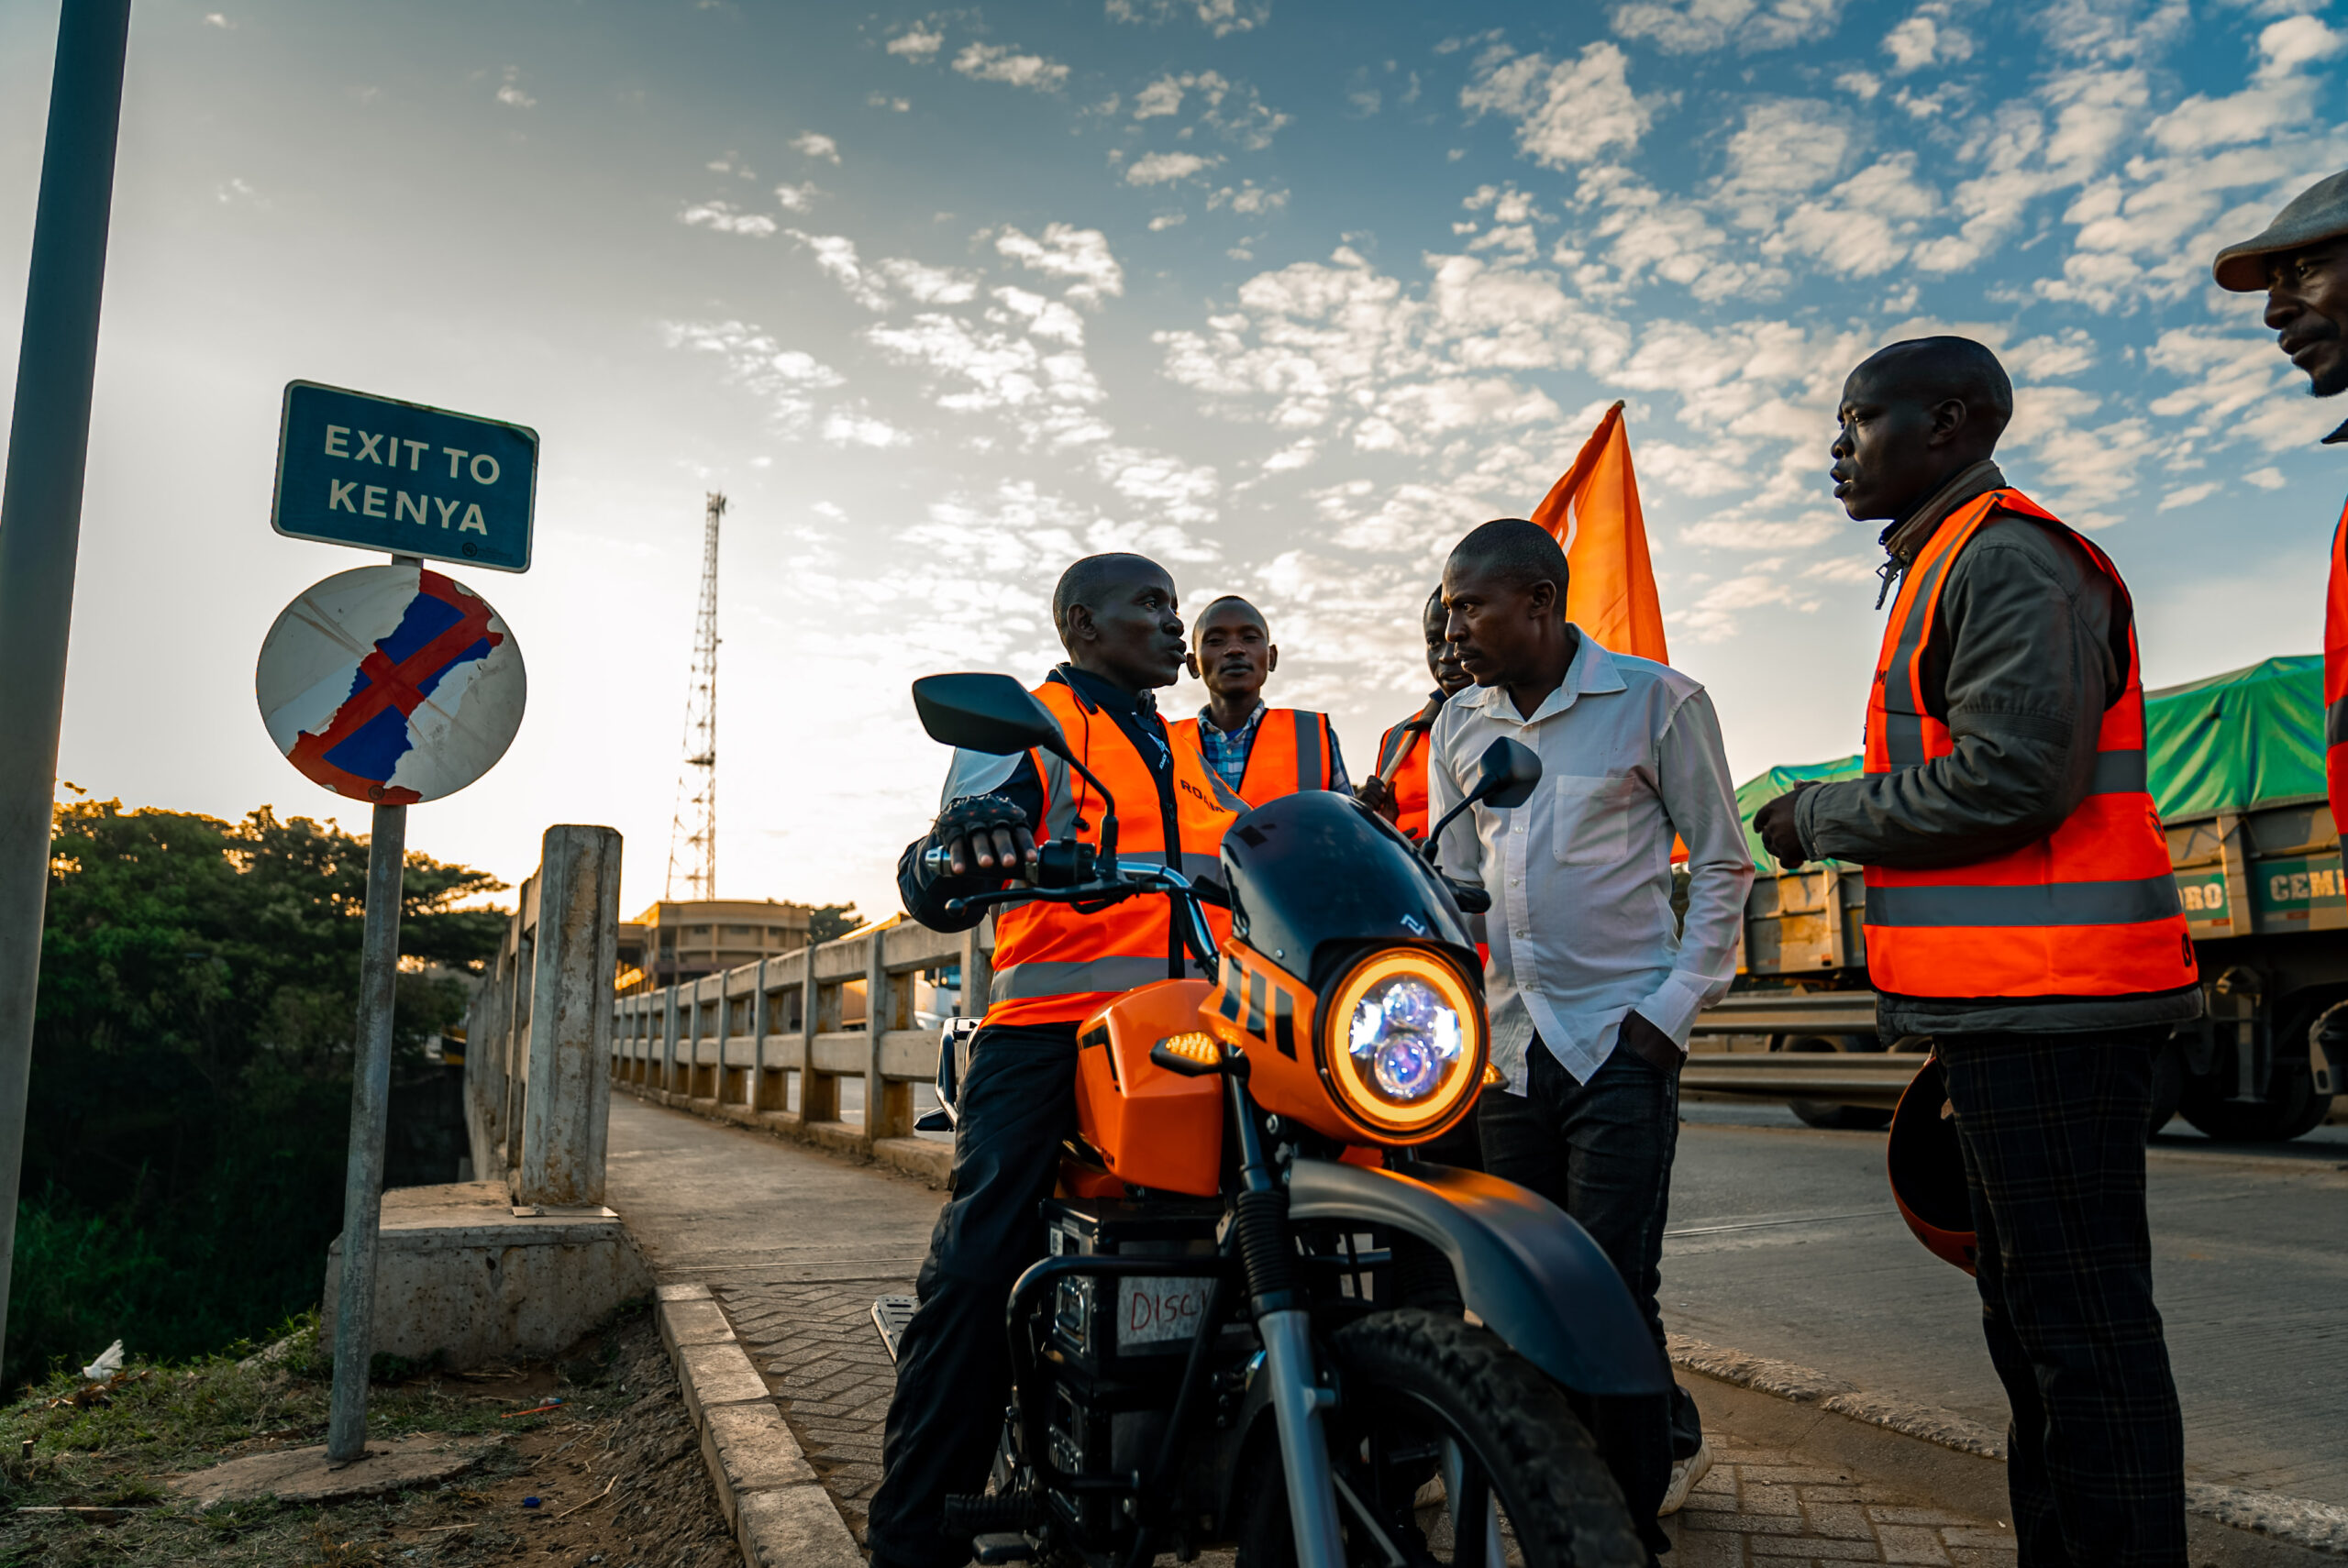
(785, 378)
(726, 218)
(1695, 27)
(797, 198)
(1221, 17)
(884, 101)
(217, 19)
(1163, 221)
(997, 62)
(1566, 113)
(814, 144)
(509, 91)
(843, 428)
(1232, 110)
(1927, 38)
(836, 254)
(2268, 478)
(916, 43)
(1248, 198)
(1860, 84)
(2188, 495)
(1065, 251)
(1158, 168)
(1044, 317)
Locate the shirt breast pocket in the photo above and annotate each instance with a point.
(1591, 823)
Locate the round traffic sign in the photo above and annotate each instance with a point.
(391, 684)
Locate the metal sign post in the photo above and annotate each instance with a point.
(390, 684)
(370, 1095)
(41, 523)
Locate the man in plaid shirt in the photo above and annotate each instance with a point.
(1262, 753)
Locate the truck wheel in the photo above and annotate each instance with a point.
(2169, 1086)
(2291, 1106)
(1438, 1420)
(1833, 1115)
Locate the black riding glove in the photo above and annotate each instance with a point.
(971, 817)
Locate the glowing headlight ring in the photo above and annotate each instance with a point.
(1350, 1078)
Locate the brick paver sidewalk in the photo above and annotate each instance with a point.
(796, 1244)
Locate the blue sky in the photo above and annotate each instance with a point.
(1287, 295)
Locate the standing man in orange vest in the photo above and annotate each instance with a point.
(1403, 801)
(2301, 261)
(1118, 620)
(1261, 753)
(2020, 911)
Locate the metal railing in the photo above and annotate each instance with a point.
(732, 1043)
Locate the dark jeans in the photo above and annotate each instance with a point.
(1601, 1152)
(2053, 1130)
(953, 1362)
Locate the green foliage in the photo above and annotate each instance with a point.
(191, 1075)
(829, 921)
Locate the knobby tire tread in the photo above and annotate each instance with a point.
(1568, 1512)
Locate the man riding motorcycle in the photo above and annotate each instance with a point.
(1118, 618)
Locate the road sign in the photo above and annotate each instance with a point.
(391, 684)
(384, 475)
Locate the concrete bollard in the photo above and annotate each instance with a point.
(576, 953)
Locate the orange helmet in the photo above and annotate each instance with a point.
(1927, 1170)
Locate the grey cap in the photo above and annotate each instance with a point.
(2319, 212)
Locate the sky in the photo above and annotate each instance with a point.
(1288, 296)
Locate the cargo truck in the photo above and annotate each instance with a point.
(2236, 767)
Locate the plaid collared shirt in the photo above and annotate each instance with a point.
(1227, 754)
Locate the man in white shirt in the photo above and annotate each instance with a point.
(1592, 988)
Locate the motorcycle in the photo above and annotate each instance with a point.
(1261, 1323)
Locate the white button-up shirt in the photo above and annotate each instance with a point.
(1580, 928)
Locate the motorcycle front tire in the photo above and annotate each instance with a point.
(1412, 1372)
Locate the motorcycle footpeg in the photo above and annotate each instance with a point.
(1003, 1547)
(990, 1513)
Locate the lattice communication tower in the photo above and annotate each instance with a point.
(693, 836)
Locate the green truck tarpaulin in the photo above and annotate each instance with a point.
(2249, 737)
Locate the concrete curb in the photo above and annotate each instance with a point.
(2318, 1527)
(924, 1159)
(778, 1508)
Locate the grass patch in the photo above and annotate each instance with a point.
(67, 1443)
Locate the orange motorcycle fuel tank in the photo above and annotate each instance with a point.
(1349, 979)
(1153, 1128)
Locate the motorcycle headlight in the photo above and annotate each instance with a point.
(1404, 1046)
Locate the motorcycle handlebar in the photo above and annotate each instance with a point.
(1132, 877)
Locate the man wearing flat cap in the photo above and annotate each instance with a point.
(2301, 261)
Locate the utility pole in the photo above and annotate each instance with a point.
(694, 828)
(41, 523)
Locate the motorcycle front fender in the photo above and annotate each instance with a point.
(1533, 1275)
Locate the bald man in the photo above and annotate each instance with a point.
(2019, 912)
(1054, 963)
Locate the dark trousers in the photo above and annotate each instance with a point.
(953, 1362)
(1601, 1152)
(2053, 1130)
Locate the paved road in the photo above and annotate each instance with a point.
(794, 1244)
(1784, 1243)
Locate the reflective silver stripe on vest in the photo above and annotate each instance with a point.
(1310, 775)
(1026, 982)
(2118, 773)
(2335, 724)
(1903, 731)
(2060, 903)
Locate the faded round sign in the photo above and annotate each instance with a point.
(390, 684)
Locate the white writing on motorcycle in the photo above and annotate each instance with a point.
(1152, 1311)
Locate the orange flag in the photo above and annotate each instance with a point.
(1594, 513)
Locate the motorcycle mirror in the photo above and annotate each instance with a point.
(1506, 773)
(1505, 776)
(992, 713)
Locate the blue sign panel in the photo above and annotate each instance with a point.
(384, 475)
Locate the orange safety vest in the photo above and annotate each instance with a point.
(2335, 677)
(1409, 784)
(2089, 910)
(1053, 964)
(1293, 751)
